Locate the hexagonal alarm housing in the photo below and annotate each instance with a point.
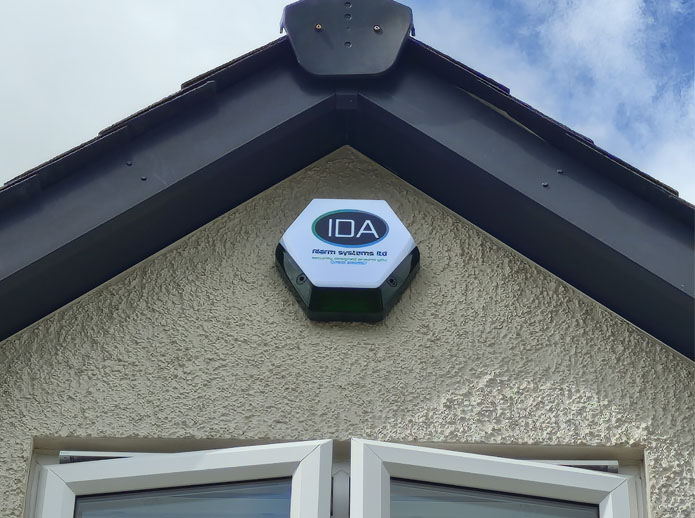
(347, 260)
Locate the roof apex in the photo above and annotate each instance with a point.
(83, 217)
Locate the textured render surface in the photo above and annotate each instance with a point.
(204, 341)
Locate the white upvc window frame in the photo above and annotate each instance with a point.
(308, 463)
(373, 464)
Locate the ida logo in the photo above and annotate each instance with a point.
(350, 228)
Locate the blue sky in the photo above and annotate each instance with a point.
(618, 71)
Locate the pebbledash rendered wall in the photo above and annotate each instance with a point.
(204, 341)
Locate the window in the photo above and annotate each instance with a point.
(391, 480)
(253, 476)
(267, 498)
(293, 480)
(416, 499)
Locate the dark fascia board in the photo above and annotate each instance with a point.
(602, 226)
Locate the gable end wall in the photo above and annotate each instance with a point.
(203, 341)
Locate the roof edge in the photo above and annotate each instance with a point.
(219, 77)
(541, 124)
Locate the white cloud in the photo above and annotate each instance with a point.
(606, 69)
(72, 68)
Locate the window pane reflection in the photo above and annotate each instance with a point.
(265, 499)
(418, 500)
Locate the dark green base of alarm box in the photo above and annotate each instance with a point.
(346, 304)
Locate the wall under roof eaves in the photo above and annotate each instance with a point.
(204, 341)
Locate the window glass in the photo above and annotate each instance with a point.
(418, 500)
(265, 499)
